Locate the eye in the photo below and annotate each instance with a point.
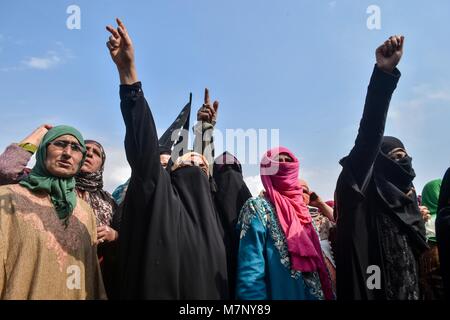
(76, 147)
(60, 144)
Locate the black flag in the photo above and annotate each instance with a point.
(176, 136)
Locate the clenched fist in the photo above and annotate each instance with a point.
(388, 55)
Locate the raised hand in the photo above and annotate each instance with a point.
(208, 111)
(36, 136)
(122, 52)
(388, 55)
(315, 200)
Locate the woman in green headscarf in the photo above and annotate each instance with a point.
(48, 234)
(430, 198)
(430, 276)
(58, 180)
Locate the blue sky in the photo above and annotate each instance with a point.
(300, 66)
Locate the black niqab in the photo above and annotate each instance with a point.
(231, 194)
(378, 220)
(170, 242)
(201, 247)
(443, 232)
(394, 182)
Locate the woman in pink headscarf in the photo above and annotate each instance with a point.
(279, 253)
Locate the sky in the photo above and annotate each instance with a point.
(296, 67)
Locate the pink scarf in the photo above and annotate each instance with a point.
(280, 180)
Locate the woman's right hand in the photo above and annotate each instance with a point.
(36, 136)
(122, 52)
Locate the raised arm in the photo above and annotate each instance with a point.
(371, 129)
(14, 160)
(204, 129)
(325, 209)
(141, 139)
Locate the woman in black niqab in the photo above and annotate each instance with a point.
(443, 232)
(378, 219)
(200, 226)
(170, 244)
(231, 194)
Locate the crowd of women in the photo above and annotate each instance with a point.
(185, 225)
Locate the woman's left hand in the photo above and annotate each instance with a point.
(425, 213)
(106, 234)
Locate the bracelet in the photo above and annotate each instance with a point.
(31, 148)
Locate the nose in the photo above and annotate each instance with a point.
(67, 151)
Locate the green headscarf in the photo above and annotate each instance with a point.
(61, 190)
(430, 195)
(430, 199)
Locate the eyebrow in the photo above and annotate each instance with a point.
(68, 141)
(94, 148)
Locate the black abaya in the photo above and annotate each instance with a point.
(170, 246)
(443, 232)
(231, 194)
(368, 202)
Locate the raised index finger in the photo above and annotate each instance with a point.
(402, 40)
(207, 101)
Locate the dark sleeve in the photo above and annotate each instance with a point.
(13, 163)
(443, 231)
(141, 139)
(444, 192)
(371, 129)
(204, 141)
(117, 217)
(443, 242)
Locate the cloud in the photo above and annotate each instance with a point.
(424, 99)
(425, 92)
(9, 69)
(51, 60)
(421, 123)
(322, 179)
(117, 170)
(254, 184)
